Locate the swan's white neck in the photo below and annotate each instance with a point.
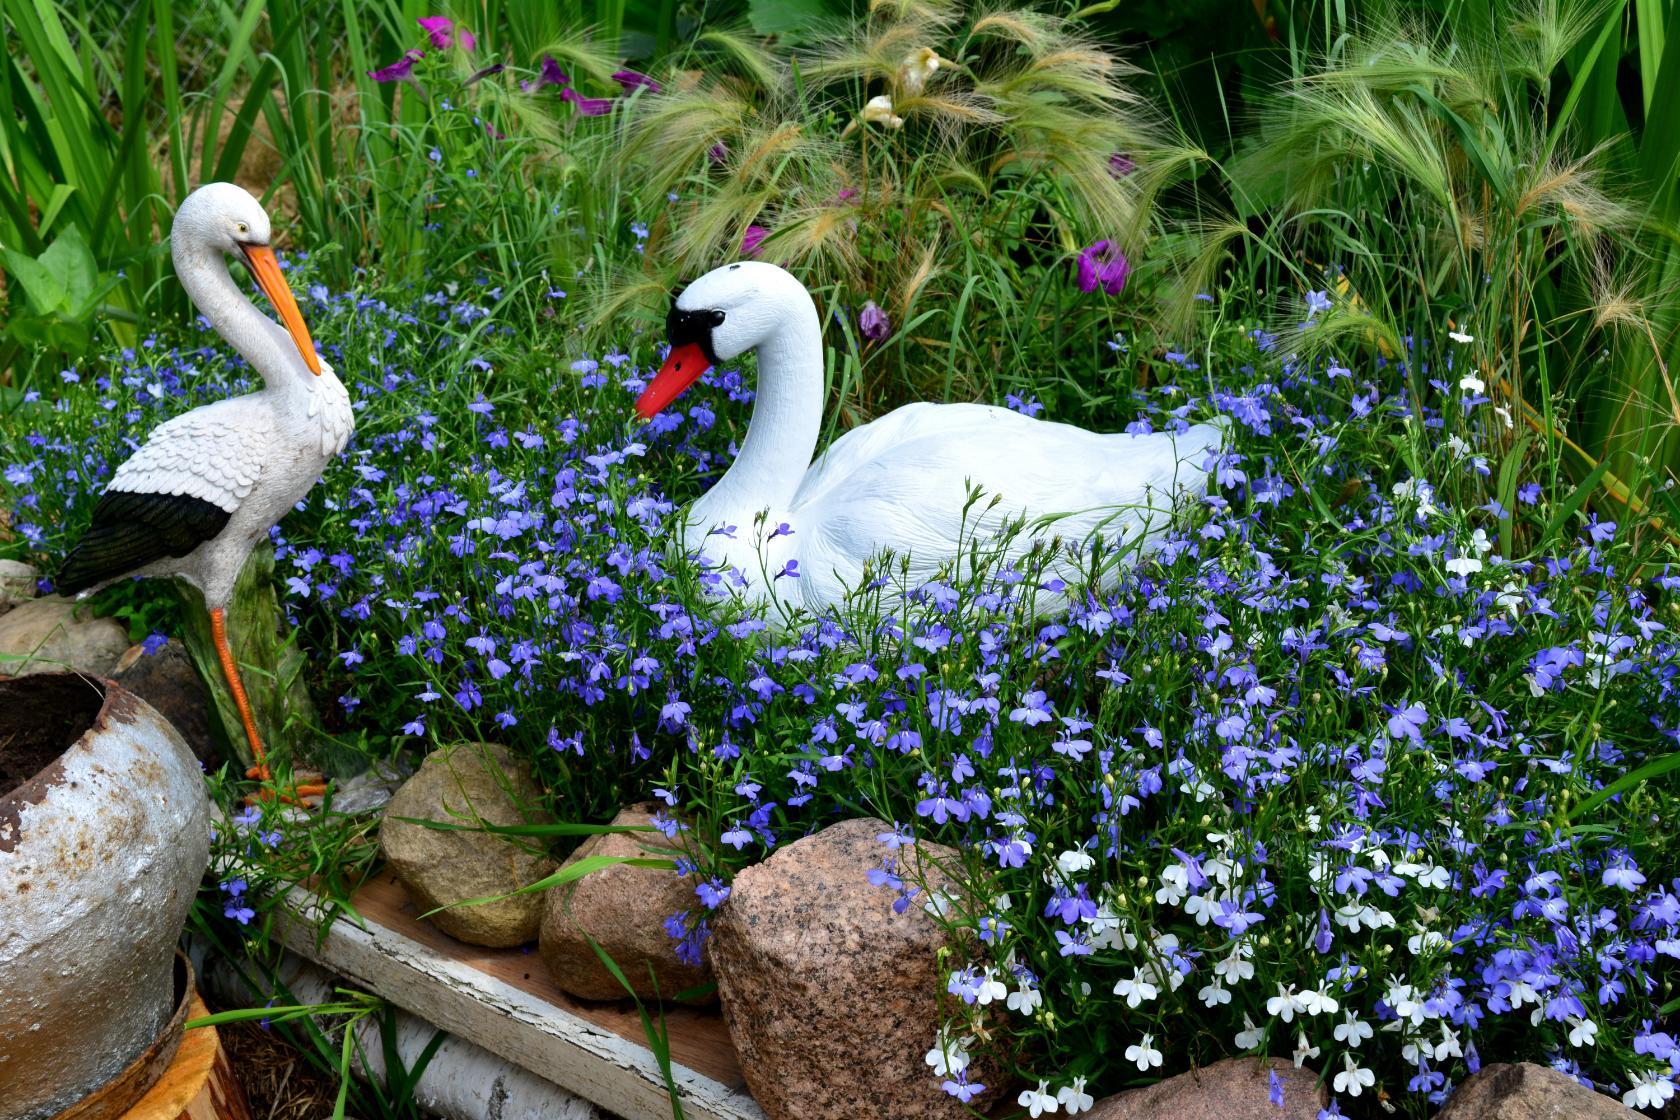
(786, 420)
(203, 272)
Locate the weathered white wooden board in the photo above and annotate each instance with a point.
(503, 1001)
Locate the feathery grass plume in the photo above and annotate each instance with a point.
(1425, 167)
(927, 157)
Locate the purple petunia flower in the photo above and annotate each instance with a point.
(401, 70)
(548, 74)
(752, 239)
(587, 106)
(443, 33)
(873, 322)
(1103, 265)
(633, 80)
(1120, 165)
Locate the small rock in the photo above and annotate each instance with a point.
(1525, 1091)
(1233, 1089)
(368, 792)
(831, 998)
(53, 634)
(17, 584)
(624, 909)
(459, 784)
(169, 682)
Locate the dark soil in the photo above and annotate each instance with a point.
(41, 717)
(279, 1082)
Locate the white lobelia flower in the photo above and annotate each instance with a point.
(1464, 565)
(1449, 1046)
(1250, 1036)
(1303, 1050)
(1355, 1079)
(1037, 1101)
(1426, 942)
(1175, 884)
(879, 110)
(1235, 968)
(991, 988)
(1470, 383)
(1214, 994)
(1318, 1001)
(948, 1057)
(1353, 1030)
(1144, 1055)
(1075, 860)
(1284, 1004)
(1582, 1032)
(1073, 1098)
(918, 66)
(1651, 1089)
(1137, 990)
(1025, 1001)
(1458, 446)
(1461, 338)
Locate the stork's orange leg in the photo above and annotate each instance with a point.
(218, 634)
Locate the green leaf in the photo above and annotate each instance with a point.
(793, 20)
(70, 260)
(43, 290)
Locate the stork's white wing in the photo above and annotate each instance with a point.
(214, 453)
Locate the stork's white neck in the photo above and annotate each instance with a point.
(782, 436)
(203, 272)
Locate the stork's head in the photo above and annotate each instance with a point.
(721, 316)
(223, 217)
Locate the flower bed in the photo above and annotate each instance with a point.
(1338, 773)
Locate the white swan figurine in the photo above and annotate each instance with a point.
(901, 483)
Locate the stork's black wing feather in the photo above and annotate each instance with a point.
(130, 531)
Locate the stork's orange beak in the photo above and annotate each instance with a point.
(273, 283)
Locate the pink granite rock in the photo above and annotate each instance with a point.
(1525, 1091)
(1234, 1089)
(624, 909)
(831, 998)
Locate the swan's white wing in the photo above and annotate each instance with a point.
(215, 454)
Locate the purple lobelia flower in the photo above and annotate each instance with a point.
(873, 322)
(1104, 266)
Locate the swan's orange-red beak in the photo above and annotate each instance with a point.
(681, 369)
(272, 281)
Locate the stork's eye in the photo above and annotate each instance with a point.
(714, 318)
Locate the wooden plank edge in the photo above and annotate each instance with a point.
(598, 1065)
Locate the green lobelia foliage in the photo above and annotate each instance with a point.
(1448, 175)
(948, 164)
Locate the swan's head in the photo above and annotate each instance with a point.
(721, 316)
(224, 218)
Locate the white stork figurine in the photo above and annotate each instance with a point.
(207, 486)
(902, 482)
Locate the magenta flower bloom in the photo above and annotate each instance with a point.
(752, 239)
(873, 322)
(548, 74)
(587, 106)
(402, 70)
(633, 80)
(718, 152)
(1120, 165)
(443, 34)
(1103, 265)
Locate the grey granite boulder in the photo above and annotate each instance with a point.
(831, 998)
(623, 908)
(1234, 1089)
(1525, 1091)
(468, 783)
(17, 584)
(54, 634)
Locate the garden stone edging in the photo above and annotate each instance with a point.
(1233, 1089)
(1526, 1091)
(831, 998)
(624, 909)
(55, 634)
(459, 784)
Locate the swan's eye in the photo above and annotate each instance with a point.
(714, 318)
(242, 227)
